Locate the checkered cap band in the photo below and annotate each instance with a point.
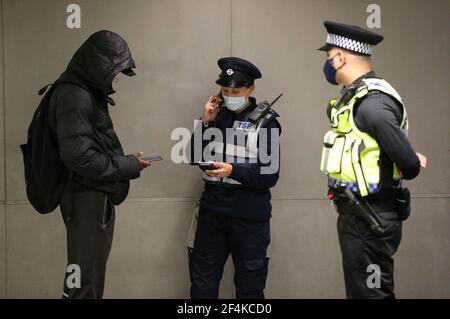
(349, 44)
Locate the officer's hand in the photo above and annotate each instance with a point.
(210, 111)
(142, 164)
(423, 160)
(223, 170)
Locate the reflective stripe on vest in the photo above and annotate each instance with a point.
(350, 157)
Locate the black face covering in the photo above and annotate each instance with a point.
(129, 72)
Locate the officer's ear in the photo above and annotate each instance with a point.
(251, 89)
(340, 59)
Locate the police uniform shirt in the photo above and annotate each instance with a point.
(251, 200)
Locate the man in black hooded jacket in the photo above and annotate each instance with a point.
(90, 149)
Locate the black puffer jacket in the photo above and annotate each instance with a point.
(88, 144)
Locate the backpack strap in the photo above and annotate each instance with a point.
(81, 86)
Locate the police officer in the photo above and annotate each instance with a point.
(235, 208)
(366, 154)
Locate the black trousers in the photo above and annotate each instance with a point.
(89, 219)
(217, 236)
(368, 258)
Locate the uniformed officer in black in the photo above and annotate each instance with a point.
(378, 114)
(235, 206)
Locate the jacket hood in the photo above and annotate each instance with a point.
(100, 58)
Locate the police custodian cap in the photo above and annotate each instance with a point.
(351, 38)
(237, 72)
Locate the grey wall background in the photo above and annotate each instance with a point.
(176, 44)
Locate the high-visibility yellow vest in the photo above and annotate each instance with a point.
(350, 157)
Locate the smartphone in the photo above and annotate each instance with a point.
(219, 102)
(204, 166)
(153, 158)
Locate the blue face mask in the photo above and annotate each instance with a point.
(330, 71)
(234, 103)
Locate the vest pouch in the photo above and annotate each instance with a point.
(403, 203)
(332, 152)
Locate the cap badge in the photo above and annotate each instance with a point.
(230, 71)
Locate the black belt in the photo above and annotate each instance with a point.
(383, 201)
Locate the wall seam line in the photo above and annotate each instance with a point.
(231, 27)
(233, 291)
(4, 145)
(190, 199)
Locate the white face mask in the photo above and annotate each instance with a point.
(234, 103)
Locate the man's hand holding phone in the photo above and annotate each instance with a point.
(142, 163)
(212, 107)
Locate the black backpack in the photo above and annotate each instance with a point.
(45, 173)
